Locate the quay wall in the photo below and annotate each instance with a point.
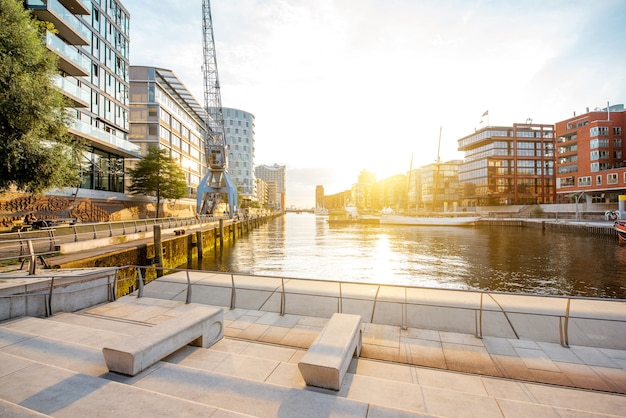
(185, 247)
(603, 229)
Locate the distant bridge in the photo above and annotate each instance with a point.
(294, 210)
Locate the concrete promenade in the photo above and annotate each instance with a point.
(55, 367)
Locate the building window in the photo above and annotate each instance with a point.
(584, 181)
(617, 130)
(598, 180)
(611, 178)
(595, 167)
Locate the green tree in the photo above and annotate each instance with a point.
(158, 174)
(36, 152)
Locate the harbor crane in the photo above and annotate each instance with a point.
(216, 183)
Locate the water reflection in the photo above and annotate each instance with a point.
(502, 259)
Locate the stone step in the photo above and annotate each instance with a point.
(29, 388)
(389, 386)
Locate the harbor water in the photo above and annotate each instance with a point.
(508, 259)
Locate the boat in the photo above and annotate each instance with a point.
(620, 227)
(321, 211)
(388, 217)
(350, 215)
(438, 219)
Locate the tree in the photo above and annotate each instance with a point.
(36, 152)
(158, 174)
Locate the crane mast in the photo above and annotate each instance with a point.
(217, 182)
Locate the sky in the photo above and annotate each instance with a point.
(341, 86)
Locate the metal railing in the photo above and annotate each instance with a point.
(378, 303)
(344, 294)
(14, 245)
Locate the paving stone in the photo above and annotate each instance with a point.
(457, 338)
(557, 352)
(583, 376)
(553, 378)
(536, 359)
(397, 372)
(390, 393)
(254, 332)
(593, 356)
(505, 389)
(470, 359)
(424, 353)
(446, 403)
(513, 367)
(580, 400)
(274, 335)
(379, 352)
(444, 379)
(375, 334)
(517, 409)
(616, 377)
(501, 346)
(420, 334)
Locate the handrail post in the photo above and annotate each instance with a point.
(140, 279)
(49, 305)
(405, 309)
(32, 258)
(282, 296)
(95, 232)
(233, 294)
(75, 234)
(110, 229)
(479, 325)
(188, 299)
(340, 301)
(565, 333)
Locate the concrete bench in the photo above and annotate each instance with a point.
(326, 361)
(202, 327)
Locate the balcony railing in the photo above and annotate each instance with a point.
(68, 25)
(106, 137)
(71, 62)
(79, 95)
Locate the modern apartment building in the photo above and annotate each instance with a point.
(440, 189)
(274, 177)
(165, 114)
(239, 132)
(91, 42)
(508, 165)
(591, 155)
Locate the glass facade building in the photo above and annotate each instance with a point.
(508, 165)
(164, 113)
(91, 42)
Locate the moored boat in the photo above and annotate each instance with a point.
(444, 219)
(620, 227)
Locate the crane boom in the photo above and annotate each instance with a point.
(217, 182)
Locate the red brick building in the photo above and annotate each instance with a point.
(590, 155)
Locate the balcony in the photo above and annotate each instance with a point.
(105, 140)
(70, 61)
(77, 7)
(68, 26)
(79, 96)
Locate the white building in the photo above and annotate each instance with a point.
(239, 133)
(274, 176)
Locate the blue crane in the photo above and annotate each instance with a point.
(216, 183)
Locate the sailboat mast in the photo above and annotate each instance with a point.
(436, 182)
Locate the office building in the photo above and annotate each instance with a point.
(239, 133)
(164, 113)
(508, 165)
(91, 43)
(274, 176)
(591, 158)
(439, 187)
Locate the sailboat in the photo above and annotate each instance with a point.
(431, 219)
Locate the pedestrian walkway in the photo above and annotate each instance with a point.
(55, 367)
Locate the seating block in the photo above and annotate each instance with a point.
(202, 326)
(326, 361)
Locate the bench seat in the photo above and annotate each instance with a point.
(201, 326)
(326, 361)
